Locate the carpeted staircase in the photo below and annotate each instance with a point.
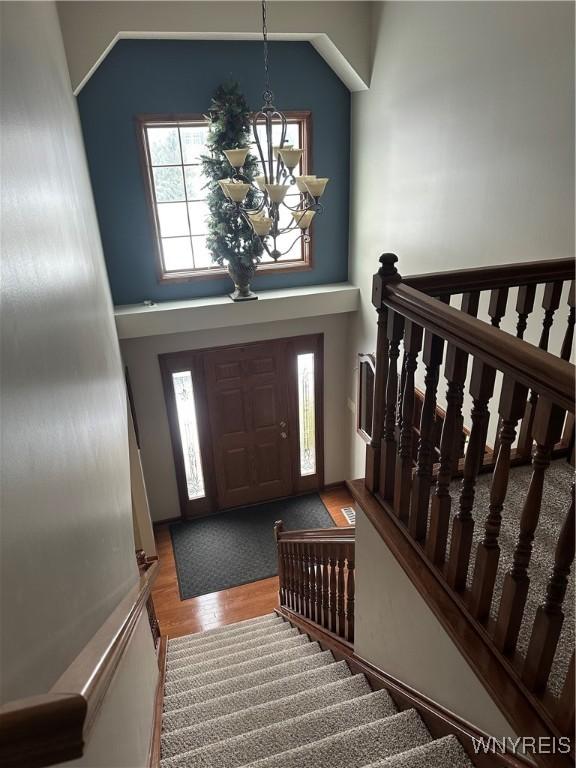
(260, 694)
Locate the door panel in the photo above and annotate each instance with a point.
(231, 414)
(263, 402)
(236, 469)
(247, 401)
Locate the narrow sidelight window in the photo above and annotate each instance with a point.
(186, 409)
(306, 414)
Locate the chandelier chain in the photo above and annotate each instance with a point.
(268, 95)
(261, 210)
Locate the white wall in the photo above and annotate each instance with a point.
(397, 632)
(338, 30)
(463, 148)
(141, 357)
(67, 546)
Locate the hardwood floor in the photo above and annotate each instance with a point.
(181, 617)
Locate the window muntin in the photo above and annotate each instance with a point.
(177, 194)
(186, 410)
(173, 154)
(306, 414)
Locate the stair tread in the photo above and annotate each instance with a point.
(229, 672)
(249, 680)
(290, 684)
(355, 747)
(219, 656)
(226, 638)
(289, 734)
(261, 715)
(237, 625)
(440, 753)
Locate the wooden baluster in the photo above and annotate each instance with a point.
(314, 583)
(288, 575)
(293, 573)
(511, 407)
(432, 358)
(282, 568)
(400, 399)
(380, 375)
(325, 600)
(497, 305)
(312, 572)
(311, 583)
(403, 475)
(455, 374)
(394, 330)
(470, 304)
(549, 616)
(294, 576)
(566, 350)
(299, 573)
(341, 630)
(350, 595)
(387, 273)
(548, 422)
(481, 388)
(565, 354)
(278, 527)
(566, 710)
(524, 307)
(306, 573)
(550, 303)
(332, 589)
(319, 583)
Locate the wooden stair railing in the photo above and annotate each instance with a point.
(533, 391)
(316, 576)
(551, 276)
(54, 727)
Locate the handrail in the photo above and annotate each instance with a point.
(487, 278)
(544, 373)
(43, 730)
(341, 535)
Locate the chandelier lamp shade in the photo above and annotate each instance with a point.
(277, 190)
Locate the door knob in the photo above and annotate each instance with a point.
(283, 435)
(282, 424)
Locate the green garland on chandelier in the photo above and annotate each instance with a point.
(230, 239)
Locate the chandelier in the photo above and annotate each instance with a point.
(277, 180)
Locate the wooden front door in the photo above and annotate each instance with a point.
(247, 398)
(245, 422)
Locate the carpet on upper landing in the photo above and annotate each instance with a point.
(237, 546)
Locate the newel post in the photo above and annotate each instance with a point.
(278, 528)
(386, 274)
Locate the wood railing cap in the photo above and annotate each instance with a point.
(456, 281)
(341, 534)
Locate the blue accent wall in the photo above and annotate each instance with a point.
(168, 76)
